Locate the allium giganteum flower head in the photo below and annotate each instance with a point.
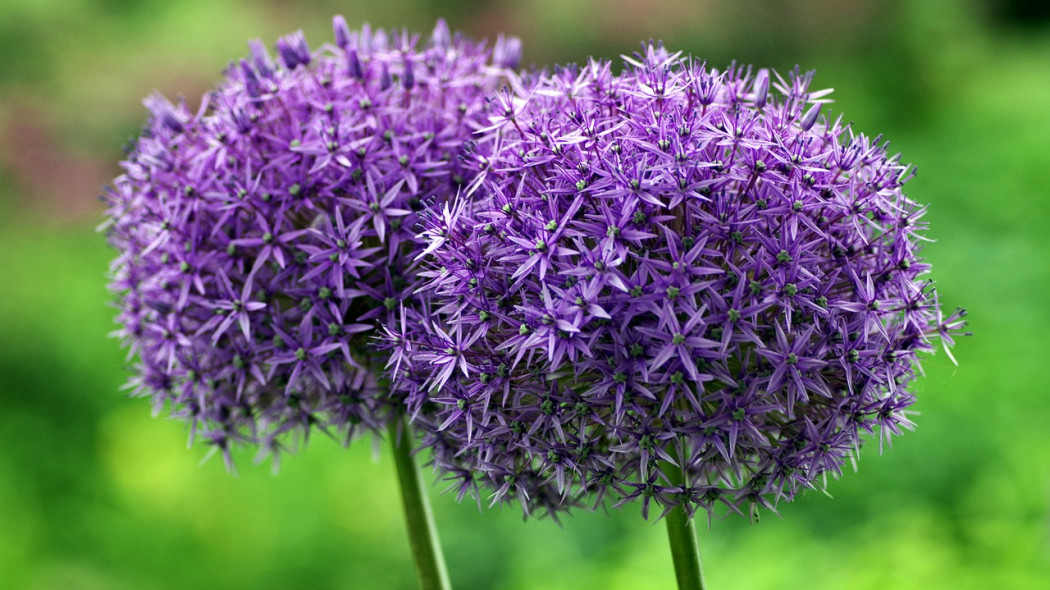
(674, 269)
(263, 237)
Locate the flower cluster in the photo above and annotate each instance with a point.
(672, 285)
(262, 238)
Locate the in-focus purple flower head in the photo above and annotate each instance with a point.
(671, 270)
(263, 237)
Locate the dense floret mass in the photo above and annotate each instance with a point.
(674, 285)
(262, 238)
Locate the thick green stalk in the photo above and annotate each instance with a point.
(685, 551)
(422, 534)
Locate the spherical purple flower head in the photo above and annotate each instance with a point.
(671, 270)
(262, 238)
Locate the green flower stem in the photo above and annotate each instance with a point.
(422, 534)
(685, 551)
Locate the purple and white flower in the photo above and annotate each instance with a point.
(264, 236)
(671, 270)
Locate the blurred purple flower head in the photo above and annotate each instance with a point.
(262, 238)
(674, 268)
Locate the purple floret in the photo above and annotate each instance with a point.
(263, 238)
(675, 268)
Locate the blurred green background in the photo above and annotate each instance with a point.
(96, 494)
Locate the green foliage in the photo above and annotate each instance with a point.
(94, 493)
